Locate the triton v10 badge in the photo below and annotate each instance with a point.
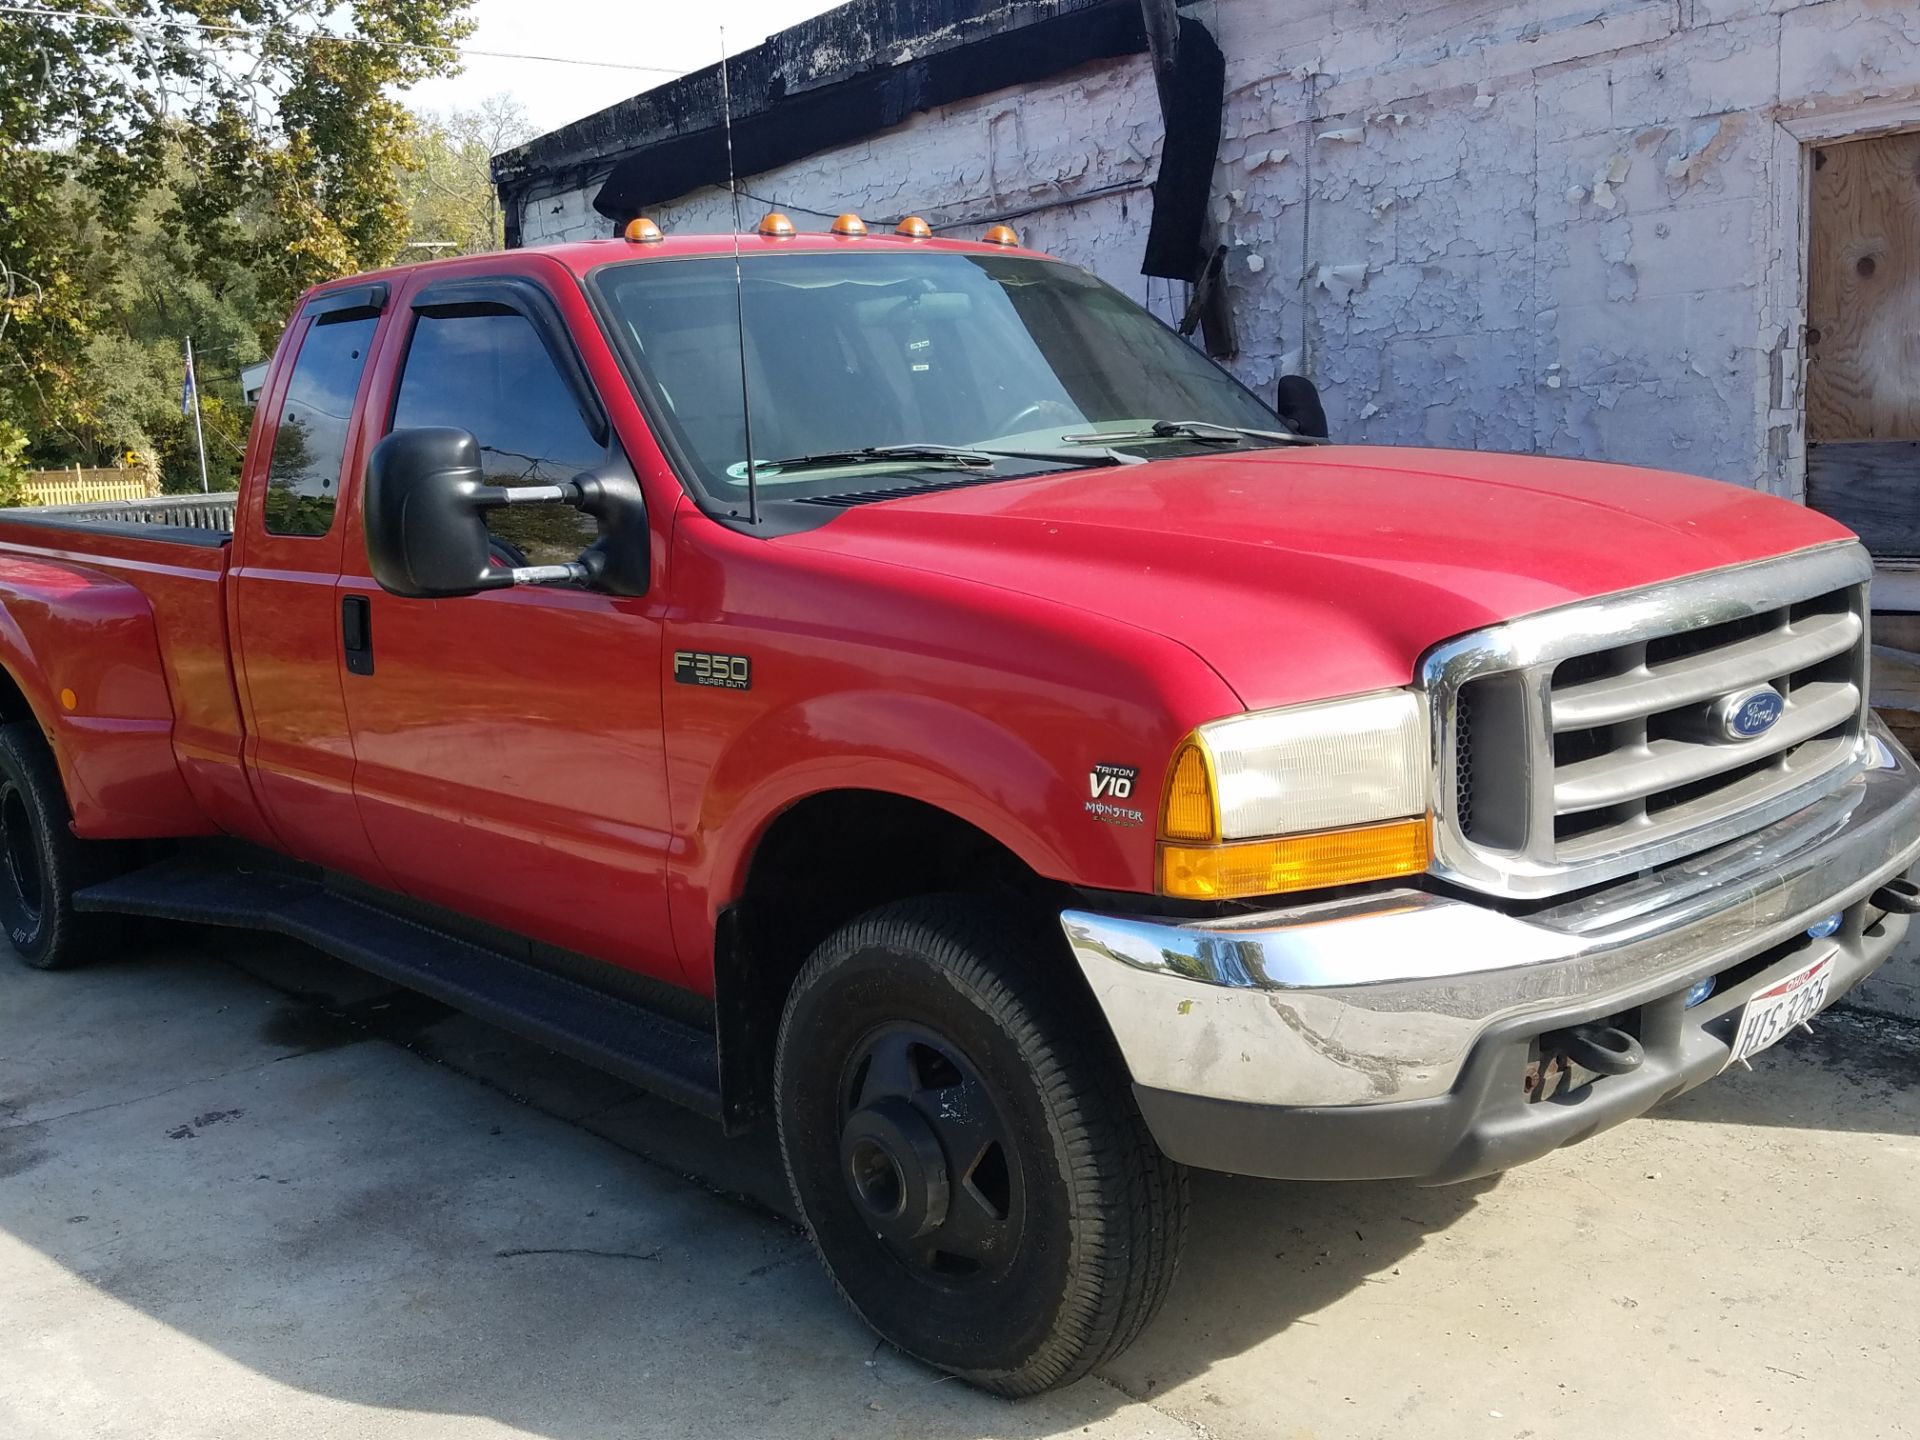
(1111, 787)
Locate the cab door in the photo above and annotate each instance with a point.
(288, 533)
(508, 746)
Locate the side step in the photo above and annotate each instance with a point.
(613, 1034)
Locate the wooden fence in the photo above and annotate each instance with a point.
(86, 487)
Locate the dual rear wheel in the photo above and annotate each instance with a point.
(42, 862)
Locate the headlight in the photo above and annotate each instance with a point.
(1295, 799)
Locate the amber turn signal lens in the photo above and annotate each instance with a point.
(642, 231)
(1001, 235)
(850, 225)
(775, 224)
(1295, 862)
(914, 228)
(1190, 812)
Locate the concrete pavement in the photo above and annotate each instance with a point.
(247, 1192)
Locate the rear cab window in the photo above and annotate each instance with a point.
(310, 438)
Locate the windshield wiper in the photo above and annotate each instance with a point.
(880, 455)
(1105, 456)
(1203, 430)
(970, 456)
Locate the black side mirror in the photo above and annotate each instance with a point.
(426, 518)
(426, 505)
(1297, 401)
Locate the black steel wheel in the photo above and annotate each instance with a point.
(927, 1157)
(965, 1151)
(42, 862)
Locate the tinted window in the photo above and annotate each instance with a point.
(490, 374)
(303, 478)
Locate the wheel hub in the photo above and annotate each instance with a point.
(926, 1157)
(895, 1169)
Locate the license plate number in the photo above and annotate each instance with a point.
(1774, 1011)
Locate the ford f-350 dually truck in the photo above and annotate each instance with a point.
(899, 691)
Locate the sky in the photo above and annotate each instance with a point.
(674, 35)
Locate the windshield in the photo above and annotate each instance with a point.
(847, 352)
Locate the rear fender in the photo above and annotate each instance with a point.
(83, 650)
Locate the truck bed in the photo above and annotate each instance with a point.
(116, 642)
(182, 519)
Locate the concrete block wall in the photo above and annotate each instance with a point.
(1552, 225)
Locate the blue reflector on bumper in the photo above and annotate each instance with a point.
(1821, 929)
(1700, 990)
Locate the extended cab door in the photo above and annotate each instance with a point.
(510, 761)
(287, 546)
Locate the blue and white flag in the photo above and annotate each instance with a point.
(187, 388)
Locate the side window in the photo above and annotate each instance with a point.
(303, 476)
(490, 374)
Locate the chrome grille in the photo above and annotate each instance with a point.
(1577, 745)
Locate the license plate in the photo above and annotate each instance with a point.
(1774, 1011)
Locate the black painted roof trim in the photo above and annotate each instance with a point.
(825, 82)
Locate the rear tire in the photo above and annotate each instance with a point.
(965, 1151)
(42, 862)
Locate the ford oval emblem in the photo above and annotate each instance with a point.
(1749, 714)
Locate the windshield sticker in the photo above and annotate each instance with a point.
(701, 667)
(1110, 785)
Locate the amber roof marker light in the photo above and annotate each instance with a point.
(642, 231)
(850, 225)
(1001, 235)
(775, 226)
(914, 228)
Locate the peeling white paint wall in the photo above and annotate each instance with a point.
(1567, 226)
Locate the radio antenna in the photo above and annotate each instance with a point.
(739, 287)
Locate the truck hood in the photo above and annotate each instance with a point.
(1302, 573)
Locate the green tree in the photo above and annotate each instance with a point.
(268, 130)
(13, 469)
(451, 203)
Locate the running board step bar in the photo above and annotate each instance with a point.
(658, 1053)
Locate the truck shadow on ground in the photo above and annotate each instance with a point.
(339, 1219)
(371, 1238)
(1261, 1255)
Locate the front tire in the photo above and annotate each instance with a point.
(964, 1149)
(42, 862)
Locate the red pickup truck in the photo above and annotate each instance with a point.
(1006, 757)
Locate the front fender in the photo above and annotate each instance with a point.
(842, 673)
(918, 746)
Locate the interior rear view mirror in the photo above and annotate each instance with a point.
(1297, 401)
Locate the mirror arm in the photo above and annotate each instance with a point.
(497, 496)
(619, 561)
(574, 572)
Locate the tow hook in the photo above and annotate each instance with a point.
(1603, 1049)
(1900, 897)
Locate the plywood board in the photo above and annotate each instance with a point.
(1873, 488)
(1863, 292)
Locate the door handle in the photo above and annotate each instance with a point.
(356, 633)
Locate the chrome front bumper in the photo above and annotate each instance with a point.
(1396, 1001)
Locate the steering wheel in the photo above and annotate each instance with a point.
(1039, 410)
